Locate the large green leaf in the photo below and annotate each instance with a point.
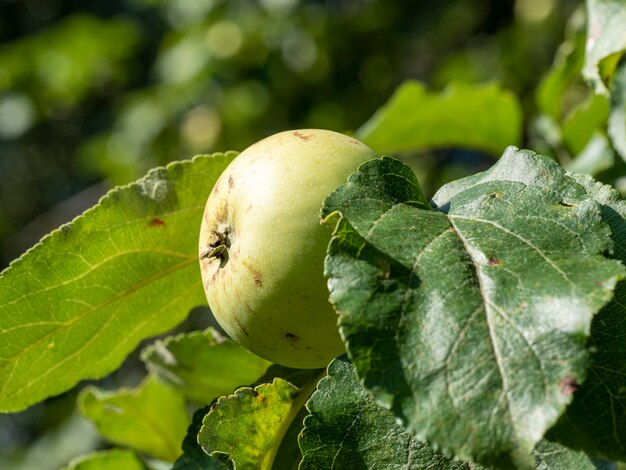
(346, 429)
(596, 419)
(151, 418)
(470, 321)
(77, 303)
(203, 365)
(416, 119)
(606, 40)
(249, 425)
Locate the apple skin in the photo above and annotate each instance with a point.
(266, 286)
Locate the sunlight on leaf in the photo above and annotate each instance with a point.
(469, 322)
(194, 458)
(151, 418)
(596, 420)
(77, 303)
(606, 41)
(202, 364)
(250, 425)
(417, 119)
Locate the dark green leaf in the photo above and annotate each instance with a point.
(596, 420)
(203, 365)
(194, 458)
(416, 119)
(346, 429)
(151, 418)
(551, 456)
(250, 425)
(606, 40)
(470, 321)
(77, 303)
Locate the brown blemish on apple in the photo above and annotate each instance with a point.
(231, 182)
(241, 327)
(291, 336)
(255, 274)
(302, 136)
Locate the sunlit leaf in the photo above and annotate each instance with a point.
(194, 458)
(596, 420)
(416, 119)
(469, 321)
(203, 365)
(77, 303)
(606, 40)
(250, 425)
(151, 418)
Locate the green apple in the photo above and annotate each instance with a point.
(262, 246)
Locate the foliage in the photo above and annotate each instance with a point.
(484, 327)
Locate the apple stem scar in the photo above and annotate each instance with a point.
(217, 249)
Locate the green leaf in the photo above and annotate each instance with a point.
(151, 418)
(347, 429)
(113, 459)
(194, 458)
(203, 365)
(617, 118)
(596, 420)
(77, 303)
(584, 121)
(469, 322)
(606, 40)
(551, 456)
(416, 119)
(250, 425)
(565, 71)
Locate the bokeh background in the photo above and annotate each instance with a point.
(94, 93)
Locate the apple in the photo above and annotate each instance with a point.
(262, 246)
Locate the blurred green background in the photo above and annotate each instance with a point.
(94, 93)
